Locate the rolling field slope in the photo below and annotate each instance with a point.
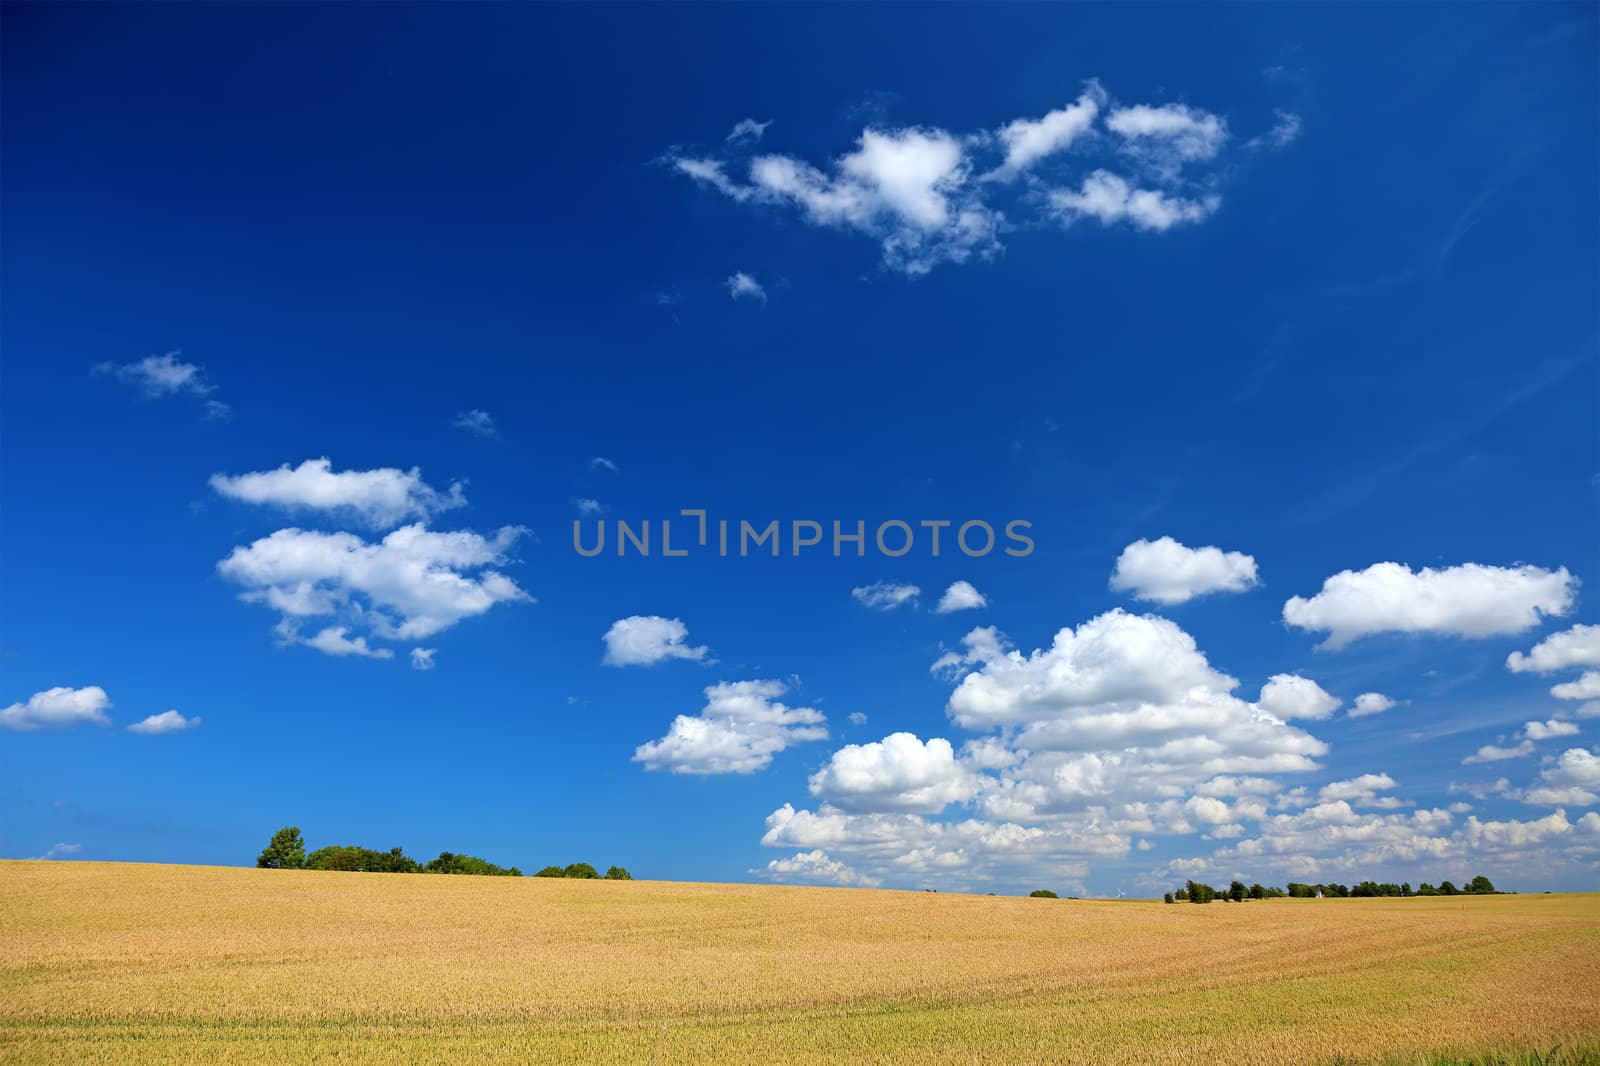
(131, 963)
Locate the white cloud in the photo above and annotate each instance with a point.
(1110, 199)
(587, 505)
(1238, 786)
(410, 585)
(740, 729)
(1332, 839)
(1293, 696)
(422, 658)
(381, 498)
(814, 867)
(747, 130)
(1029, 140)
(600, 462)
(1369, 703)
(742, 286)
(59, 851)
(1284, 132)
(1496, 753)
(157, 376)
(165, 722)
(1168, 138)
(960, 596)
(479, 422)
(1549, 730)
(1573, 779)
(1470, 600)
(857, 718)
(332, 640)
(1167, 572)
(1586, 687)
(640, 640)
(898, 773)
(58, 708)
(930, 196)
(1578, 646)
(885, 595)
(1361, 791)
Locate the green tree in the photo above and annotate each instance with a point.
(1167, 898)
(286, 850)
(1481, 885)
(1447, 888)
(581, 869)
(617, 873)
(1237, 892)
(551, 871)
(1043, 893)
(1258, 891)
(450, 863)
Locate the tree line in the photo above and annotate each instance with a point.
(287, 851)
(1199, 892)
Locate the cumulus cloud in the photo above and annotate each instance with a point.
(1578, 646)
(1109, 198)
(814, 867)
(157, 376)
(857, 718)
(930, 196)
(1369, 703)
(408, 586)
(422, 658)
(1167, 572)
(1572, 780)
(740, 729)
(332, 640)
(1170, 136)
(885, 595)
(477, 422)
(1027, 141)
(380, 498)
(1333, 839)
(898, 773)
(1293, 696)
(1586, 687)
(1471, 600)
(165, 722)
(1361, 791)
(960, 596)
(1549, 729)
(640, 640)
(1497, 753)
(742, 286)
(58, 708)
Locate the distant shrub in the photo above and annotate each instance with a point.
(617, 873)
(365, 860)
(581, 869)
(551, 871)
(1043, 893)
(449, 863)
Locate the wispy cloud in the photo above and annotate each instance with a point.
(478, 422)
(742, 286)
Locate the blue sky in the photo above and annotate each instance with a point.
(1279, 331)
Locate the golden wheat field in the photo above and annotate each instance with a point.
(104, 962)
